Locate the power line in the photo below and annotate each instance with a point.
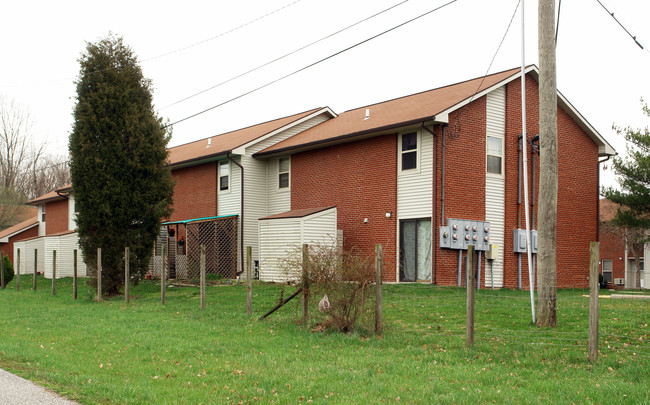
(310, 65)
(460, 113)
(170, 52)
(283, 56)
(223, 33)
(619, 23)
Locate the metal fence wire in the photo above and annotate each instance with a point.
(182, 242)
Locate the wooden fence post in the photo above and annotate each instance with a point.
(305, 283)
(54, 272)
(249, 281)
(2, 270)
(379, 264)
(74, 274)
(469, 333)
(202, 268)
(99, 274)
(127, 275)
(594, 257)
(162, 277)
(35, 269)
(18, 270)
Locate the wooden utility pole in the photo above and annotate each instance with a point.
(35, 269)
(547, 206)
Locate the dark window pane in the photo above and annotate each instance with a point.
(223, 183)
(494, 164)
(284, 180)
(409, 160)
(409, 141)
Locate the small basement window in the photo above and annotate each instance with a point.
(224, 175)
(409, 151)
(283, 172)
(494, 155)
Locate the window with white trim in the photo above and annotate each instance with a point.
(43, 213)
(284, 166)
(607, 270)
(224, 175)
(494, 155)
(409, 151)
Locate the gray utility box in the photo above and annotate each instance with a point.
(519, 241)
(461, 233)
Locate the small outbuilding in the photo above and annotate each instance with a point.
(282, 235)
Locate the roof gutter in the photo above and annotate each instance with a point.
(241, 211)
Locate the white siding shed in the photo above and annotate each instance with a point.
(282, 235)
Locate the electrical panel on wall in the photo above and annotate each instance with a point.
(519, 241)
(461, 233)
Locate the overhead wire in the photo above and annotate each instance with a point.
(283, 56)
(309, 65)
(173, 51)
(619, 23)
(487, 71)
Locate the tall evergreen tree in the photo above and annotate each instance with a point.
(121, 180)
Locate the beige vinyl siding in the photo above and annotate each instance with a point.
(415, 187)
(27, 255)
(279, 199)
(281, 240)
(281, 136)
(72, 216)
(228, 201)
(495, 184)
(254, 199)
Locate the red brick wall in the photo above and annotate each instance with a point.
(195, 192)
(612, 246)
(464, 179)
(8, 248)
(56, 217)
(360, 178)
(577, 190)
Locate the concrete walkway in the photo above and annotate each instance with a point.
(17, 390)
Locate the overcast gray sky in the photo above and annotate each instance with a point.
(187, 47)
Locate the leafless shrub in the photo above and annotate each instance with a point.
(344, 276)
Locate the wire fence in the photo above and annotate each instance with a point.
(504, 316)
(179, 244)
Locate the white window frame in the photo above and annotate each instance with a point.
(502, 156)
(288, 172)
(417, 151)
(224, 163)
(610, 271)
(42, 216)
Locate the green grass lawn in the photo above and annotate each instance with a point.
(142, 352)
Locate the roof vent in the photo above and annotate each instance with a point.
(367, 114)
(209, 142)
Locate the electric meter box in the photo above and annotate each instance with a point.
(459, 234)
(519, 241)
(492, 252)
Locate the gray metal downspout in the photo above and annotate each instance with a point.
(241, 212)
(434, 213)
(442, 178)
